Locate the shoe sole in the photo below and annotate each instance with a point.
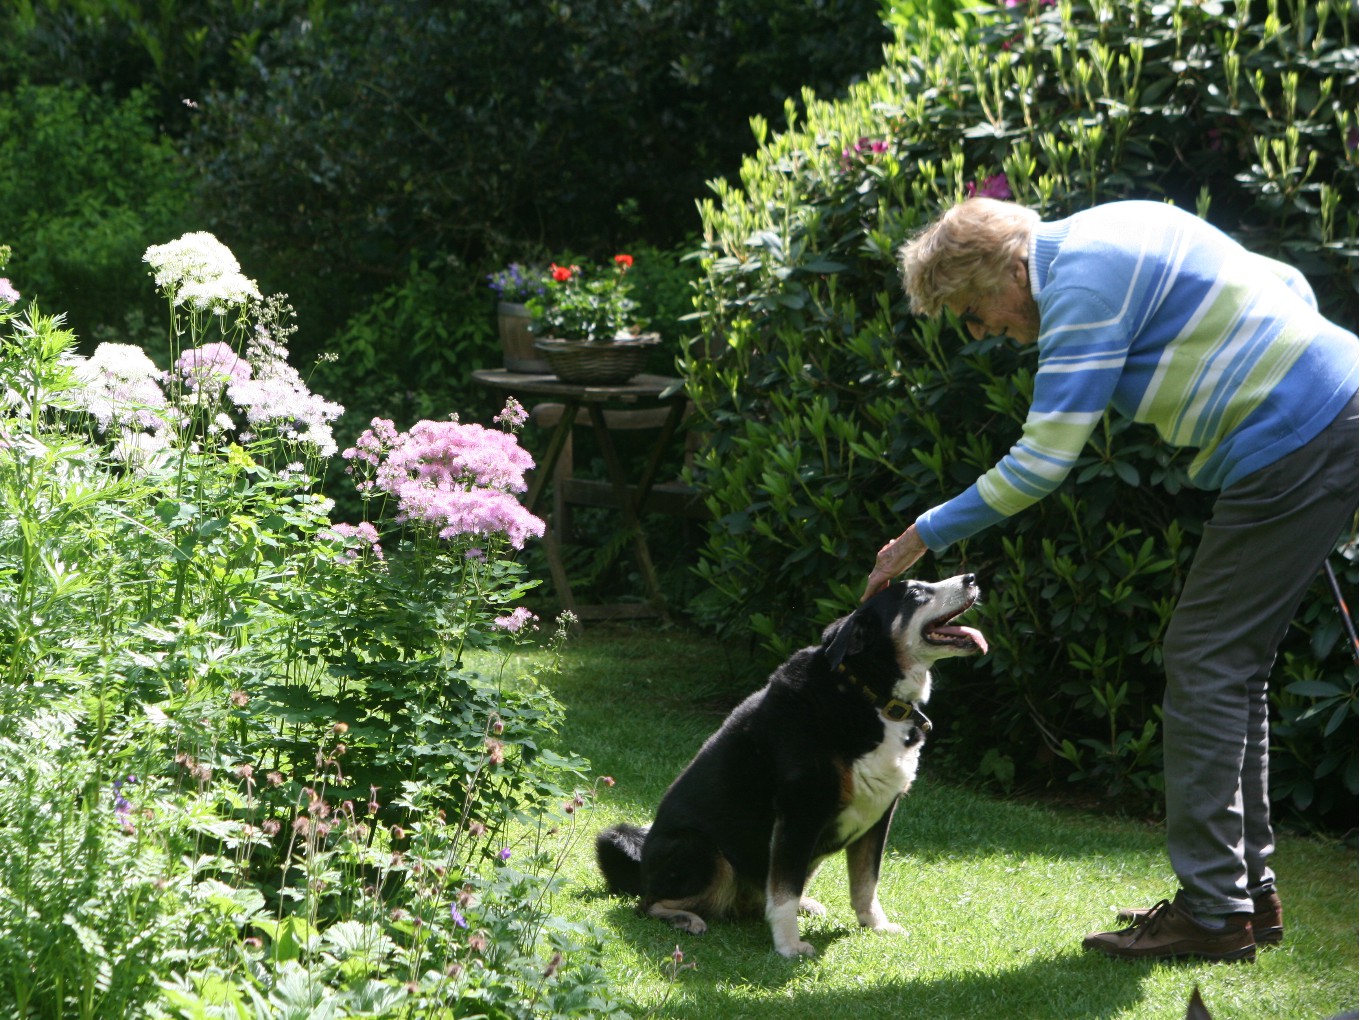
(1247, 954)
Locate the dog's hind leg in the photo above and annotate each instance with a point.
(685, 874)
(863, 859)
(674, 913)
(807, 905)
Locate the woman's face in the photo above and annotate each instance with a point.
(1008, 311)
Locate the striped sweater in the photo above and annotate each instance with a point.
(1146, 308)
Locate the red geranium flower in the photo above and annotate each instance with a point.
(561, 273)
(626, 261)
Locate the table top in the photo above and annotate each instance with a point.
(548, 385)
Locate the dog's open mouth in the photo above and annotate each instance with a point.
(941, 632)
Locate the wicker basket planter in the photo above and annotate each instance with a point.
(604, 362)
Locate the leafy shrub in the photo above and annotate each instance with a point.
(88, 184)
(560, 125)
(835, 417)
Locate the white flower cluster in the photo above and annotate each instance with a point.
(276, 394)
(120, 385)
(200, 271)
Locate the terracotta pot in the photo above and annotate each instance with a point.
(517, 343)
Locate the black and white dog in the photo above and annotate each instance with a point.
(812, 763)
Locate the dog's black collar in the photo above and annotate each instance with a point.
(892, 708)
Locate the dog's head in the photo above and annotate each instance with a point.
(910, 622)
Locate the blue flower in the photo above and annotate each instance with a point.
(457, 915)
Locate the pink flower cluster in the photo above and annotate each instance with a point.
(210, 367)
(513, 416)
(863, 150)
(270, 393)
(458, 479)
(996, 186)
(365, 540)
(516, 621)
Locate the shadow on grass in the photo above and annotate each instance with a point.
(1049, 989)
(738, 975)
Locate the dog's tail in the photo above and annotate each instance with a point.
(618, 851)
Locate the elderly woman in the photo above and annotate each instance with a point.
(1145, 308)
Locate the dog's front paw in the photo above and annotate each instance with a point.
(796, 949)
(810, 906)
(873, 918)
(887, 928)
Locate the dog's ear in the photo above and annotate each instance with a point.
(847, 636)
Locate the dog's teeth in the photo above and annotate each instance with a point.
(961, 633)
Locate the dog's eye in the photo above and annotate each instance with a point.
(917, 594)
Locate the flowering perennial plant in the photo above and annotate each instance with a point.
(120, 386)
(209, 368)
(581, 305)
(197, 640)
(517, 283)
(458, 480)
(996, 186)
(200, 272)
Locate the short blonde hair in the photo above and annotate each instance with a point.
(969, 248)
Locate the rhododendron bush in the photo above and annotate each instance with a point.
(276, 754)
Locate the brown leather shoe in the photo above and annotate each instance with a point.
(1169, 931)
(1267, 922)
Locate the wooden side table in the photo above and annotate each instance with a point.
(629, 496)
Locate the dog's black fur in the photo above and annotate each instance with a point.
(812, 763)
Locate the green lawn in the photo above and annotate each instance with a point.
(994, 894)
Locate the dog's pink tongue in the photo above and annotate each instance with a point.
(972, 635)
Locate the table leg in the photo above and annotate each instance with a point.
(659, 448)
(566, 599)
(619, 480)
(543, 471)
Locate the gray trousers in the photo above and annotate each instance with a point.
(1265, 542)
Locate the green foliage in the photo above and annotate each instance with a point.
(410, 354)
(253, 767)
(835, 417)
(88, 184)
(473, 128)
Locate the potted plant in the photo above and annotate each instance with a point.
(515, 285)
(587, 324)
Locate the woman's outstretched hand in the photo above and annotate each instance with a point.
(894, 558)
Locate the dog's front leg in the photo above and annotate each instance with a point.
(791, 848)
(863, 859)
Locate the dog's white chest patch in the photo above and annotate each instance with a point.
(877, 778)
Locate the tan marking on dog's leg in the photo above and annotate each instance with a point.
(864, 887)
(718, 900)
